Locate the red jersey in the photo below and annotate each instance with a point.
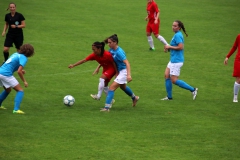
(234, 47)
(236, 67)
(106, 61)
(152, 10)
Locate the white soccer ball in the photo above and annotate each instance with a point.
(68, 100)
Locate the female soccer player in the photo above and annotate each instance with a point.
(16, 62)
(236, 69)
(14, 23)
(105, 59)
(124, 73)
(153, 23)
(172, 71)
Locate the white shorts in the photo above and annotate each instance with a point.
(122, 77)
(174, 68)
(8, 82)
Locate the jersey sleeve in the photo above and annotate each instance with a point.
(234, 47)
(21, 17)
(178, 39)
(22, 60)
(156, 7)
(90, 57)
(109, 56)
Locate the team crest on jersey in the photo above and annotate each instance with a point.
(16, 23)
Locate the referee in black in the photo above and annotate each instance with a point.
(14, 23)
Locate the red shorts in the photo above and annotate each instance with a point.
(153, 28)
(236, 69)
(109, 73)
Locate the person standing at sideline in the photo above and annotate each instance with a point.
(236, 68)
(124, 73)
(153, 24)
(105, 59)
(172, 71)
(14, 22)
(16, 62)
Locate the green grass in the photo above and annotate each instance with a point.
(62, 33)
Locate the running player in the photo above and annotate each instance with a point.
(172, 71)
(16, 62)
(105, 60)
(236, 69)
(153, 24)
(124, 70)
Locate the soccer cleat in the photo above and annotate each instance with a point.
(235, 99)
(2, 107)
(135, 101)
(152, 49)
(105, 110)
(113, 101)
(194, 93)
(166, 98)
(94, 96)
(18, 112)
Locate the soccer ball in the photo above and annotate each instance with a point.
(68, 100)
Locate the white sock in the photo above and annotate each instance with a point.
(105, 89)
(236, 88)
(150, 41)
(162, 40)
(100, 87)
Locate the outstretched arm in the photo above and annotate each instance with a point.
(77, 63)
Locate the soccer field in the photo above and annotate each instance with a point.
(62, 33)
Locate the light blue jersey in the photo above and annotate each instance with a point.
(177, 56)
(119, 56)
(12, 64)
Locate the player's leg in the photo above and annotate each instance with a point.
(18, 42)
(18, 99)
(101, 85)
(168, 83)
(236, 89)
(155, 30)
(130, 93)
(7, 44)
(110, 96)
(175, 72)
(4, 95)
(149, 37)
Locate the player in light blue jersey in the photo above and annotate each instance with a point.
(16, 62)
(172, 71)
(124, 73)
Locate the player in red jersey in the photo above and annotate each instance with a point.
(105, 59)
(153, 24)
(236, 69)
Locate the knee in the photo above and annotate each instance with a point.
(166, 76)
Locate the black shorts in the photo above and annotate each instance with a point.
(16, 39)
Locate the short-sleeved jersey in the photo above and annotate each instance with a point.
(106, 61)
(234, 47)
(12, 64)
(177, 55)
(152, 10)
(15, 20)
(119, 56)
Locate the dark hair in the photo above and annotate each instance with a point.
(10, 4)
(27, 50)
(113, 38)
(180, 24)
(99, 45)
